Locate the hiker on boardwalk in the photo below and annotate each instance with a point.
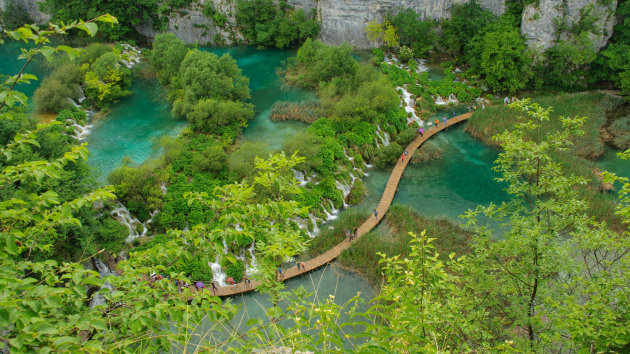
(354, 234)
(297, 264)
(348, 236)
(454, 114)
(200, 286)
(279, 272)
(436, 122)
(375, 214)
(444, 120)
(246, 279)
(214, 287)
(506, 100)
(421, 131)
(402, 158)
(303, 265)
(230, 281)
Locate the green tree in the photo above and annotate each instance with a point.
(539, 272)
(466, 21)
(498, 55)
(166, 56)
(45, 302)
(414, 33)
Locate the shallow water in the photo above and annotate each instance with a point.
(130, 128)
(321, 283)
(449, 186)
(10, 65)
(612, 163)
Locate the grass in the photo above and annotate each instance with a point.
(495, 119)
(399, 221)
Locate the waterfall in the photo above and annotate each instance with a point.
(452, 98)
(253, 266)
(122, 214)
(440, 101)
(81, 95)
(346, 154)
(332, 215)
(315, 231)
(130, 55)
(163, 188)
(345, 189)
(218, 276)
(301, 178)
(408, 103)
(73, 102)
(99, 299)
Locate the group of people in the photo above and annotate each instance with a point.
(351, 235)
(508, 100)
(180, 284)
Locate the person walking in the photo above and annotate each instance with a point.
(245, 279)
(375, 214)
(421, 131)
(436, 122)
(297, 264)
(214, 288)
(279, 272)
(444, 119)
(406, 153)
(402, 158)
(200, 286)
(454, 114)
(303, 265)
(354, 234)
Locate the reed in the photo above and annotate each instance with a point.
(307, 111)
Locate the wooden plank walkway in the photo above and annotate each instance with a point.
(367, 226)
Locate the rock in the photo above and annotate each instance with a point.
(539, 25)
(32, 9)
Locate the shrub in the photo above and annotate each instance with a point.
(235, 270)
(388, 155)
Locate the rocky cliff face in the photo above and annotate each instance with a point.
(345, 20)
(540, 21)
(32, 8)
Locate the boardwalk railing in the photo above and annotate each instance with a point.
(367, 226)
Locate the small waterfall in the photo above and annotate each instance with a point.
(346, 154)
(408, 103)
(315, 231)
(163, 188)
(218, 276)
(345, 189)
(98, 299)
(440, 101)
(301, 178)
(332, 215)
(253, 265)
(122, 214)
(130, 55)
(81, 95)
(452, 98)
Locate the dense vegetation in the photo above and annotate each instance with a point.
(268, 23)
(492, 49)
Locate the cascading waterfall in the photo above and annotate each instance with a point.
(346, 154)
(440, 101)
(345, 189)
(163, 188)
(99, 299)
(408, 103)
(122, 214)
(452, 98)
(301, 177)
(315, 231)
(130, 55)
(218, 276)
(253, 265)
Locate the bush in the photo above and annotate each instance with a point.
(197, 269)
(357, 192)
(52, 96)
(389, 155)
(235, 270)
(405, 137)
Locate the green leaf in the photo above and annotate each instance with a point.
(107, 18)
(99, 324)
(54, 301)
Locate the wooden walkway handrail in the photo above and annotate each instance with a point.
(367, 226)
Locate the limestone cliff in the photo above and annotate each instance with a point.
(540, 21)
(345, 20)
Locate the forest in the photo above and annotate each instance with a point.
(245, 163)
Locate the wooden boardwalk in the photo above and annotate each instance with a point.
(367, 226)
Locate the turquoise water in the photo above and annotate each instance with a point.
(460, 180)
(10, 65)
(321, 283)
(611, 162)
(266, 88)
(130, 128)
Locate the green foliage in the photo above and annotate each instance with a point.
(416, 34)
(389, 155)
(384, 32)
(107, 80)
(128, 13)
(197, 269)
(356, 193)
(535, 261)
(52, 96)
(265, 23)
(167, 55)
(235, 270)
(466, 21)
(498, 54)
(13, 15)
(569, 62)
(240, 162)
(321, 63)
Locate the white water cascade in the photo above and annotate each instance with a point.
(301, 178)
(218, 276)
(452, 98)
(122, 214)
(408, 104)
(99, 299)
(130, 55)
(253, 265)
(315, 231)
(440, 101)
(345, 190)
